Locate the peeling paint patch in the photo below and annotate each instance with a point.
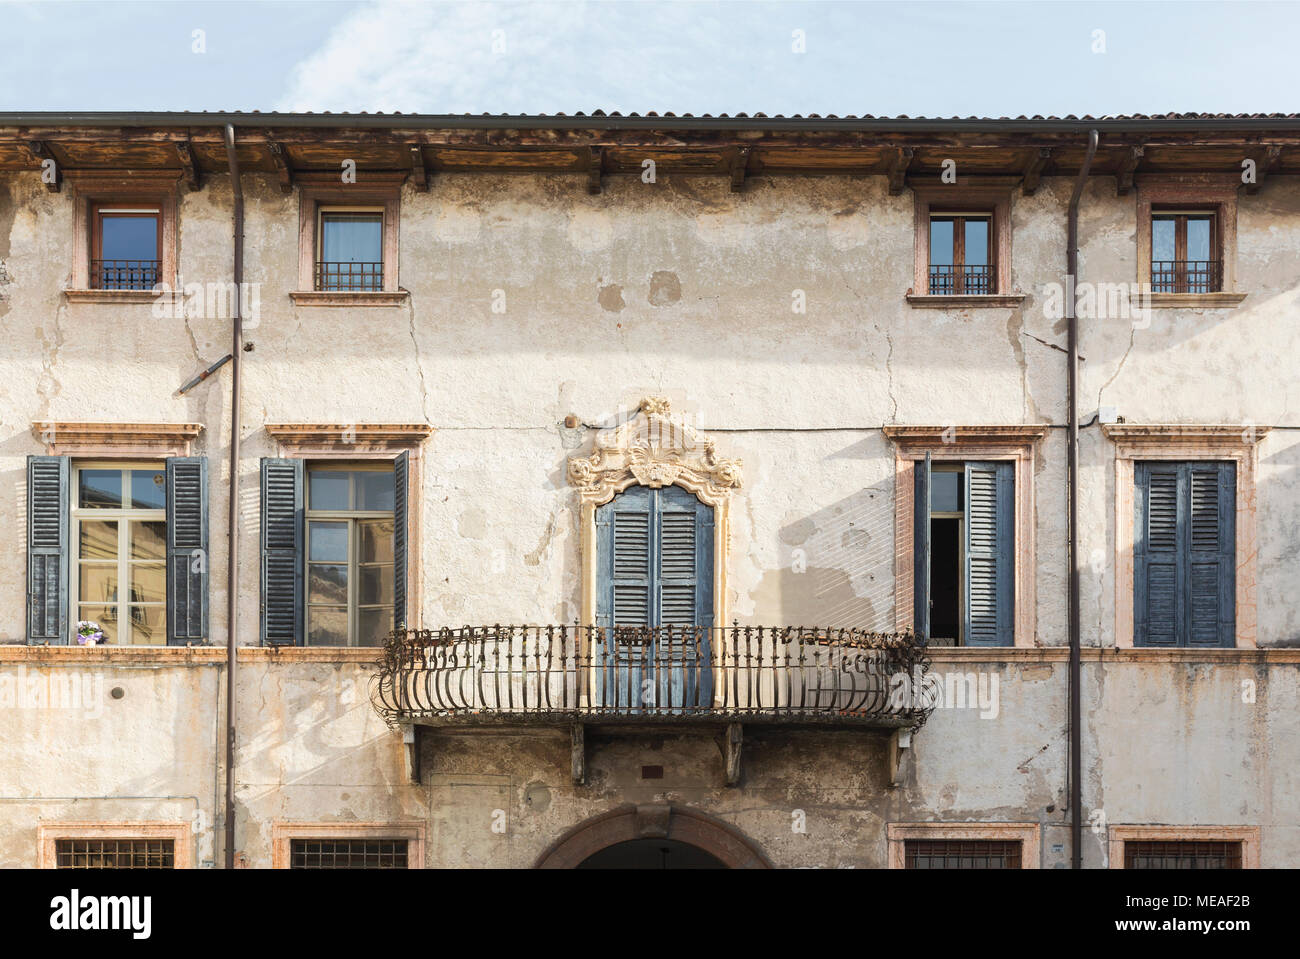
(665, 288)
(610, 297)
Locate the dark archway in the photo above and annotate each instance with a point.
(651, 854)
(716, 839)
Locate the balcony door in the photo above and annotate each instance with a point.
(655, 600)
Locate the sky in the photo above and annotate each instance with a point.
(916, 58)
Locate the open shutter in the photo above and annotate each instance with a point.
(282, 546)
(1157, 571)
(990, 554)
(921, 550)
(685, 559)
(401, 477)
(1211, 554)
(187, 550)
(48, 517)
(624, 542)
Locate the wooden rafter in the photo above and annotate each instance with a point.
(282, 166)
(193, 176)
(1034, 170)
(1127, 168)
(419, 174)
(739, 164)
(1265, 159)
(595, 167)
(899, 160)
(40, 152)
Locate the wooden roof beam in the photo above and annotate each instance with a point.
(1034, 170)
(900, 158)
(282, 166)
(739, 165)
(1127, 168)
(1265, 159)
(193, 175)
(40, 152)
(595, 167)
(419, 174)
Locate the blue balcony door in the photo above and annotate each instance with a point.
(655, 598)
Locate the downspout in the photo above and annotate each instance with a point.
(1072, 495)
(232, 563)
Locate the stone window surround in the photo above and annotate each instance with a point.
(116, 440)
(112, 186)
(898, 833)
(284, 832)
(994, 443)
(1248, 836)
(317, 190)
(1134, 442)
(993, 193)
(1216, 193)
(49, 833)
(368, 442)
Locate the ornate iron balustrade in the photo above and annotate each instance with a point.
(555, 674)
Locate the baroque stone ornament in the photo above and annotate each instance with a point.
(653, 449)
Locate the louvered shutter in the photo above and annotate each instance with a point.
(1211, 576)
(48, 517)
(685, 535)
(990, 554)
(625, 544)
(187, 550)
(1157, 568)
(921, 550)
(282, 547)
(401, 477)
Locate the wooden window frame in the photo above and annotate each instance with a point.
(959, 218)
(95, 189)
(97, 210)
(1205, 192)
(991, 194)
(320, 192)
(181, 833)
(1248, 836)
(284, 832)
(897, 835)
(1135, 442)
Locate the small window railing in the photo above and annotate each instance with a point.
(1186, 276)
(349, 277)
(949, 280)
(124, 274)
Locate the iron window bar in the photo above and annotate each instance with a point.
(961, 280)
(115, 853)
(1181, 854)
(1186, 276)
(961, 854)
(124, 274)
(348, 854)
(349, 277)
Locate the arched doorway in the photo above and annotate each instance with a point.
(607, 840)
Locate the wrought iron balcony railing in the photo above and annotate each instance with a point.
(553, 674)
(124, 274)
(949, 280)
(349, 277)
(1186, 276)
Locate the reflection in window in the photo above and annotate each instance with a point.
(351, 251)
(1184, 255)
(960, 256)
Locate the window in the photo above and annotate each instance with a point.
(127, 245)
(120, 532)
(348, 853)
(1184, 552)
(124, 236)
(115, 853)
(1184, 252)
(349, 554)
(351, 245)
(961, 854)
(960, 254)
(1181, 855)
(965, 552)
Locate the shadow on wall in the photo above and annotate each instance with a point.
(837, 566)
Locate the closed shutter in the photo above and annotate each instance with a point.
(47, 550)
(623, 532)
(921, 550)
(282, 547)
(1185, 554)
(187, 550)
(401, 477)
(685, 533)
(990, 554)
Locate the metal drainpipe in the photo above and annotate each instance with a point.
(232, 563)
(1072, 483)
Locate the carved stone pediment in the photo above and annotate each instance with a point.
(653, 449)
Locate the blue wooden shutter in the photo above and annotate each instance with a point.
(282, 548)
(990, 554)
(685, 547)
(1211, 554)
(624, 546)
(921, 550)
(401, 477)
(1157, 569)
(48, 517)
(187, 550)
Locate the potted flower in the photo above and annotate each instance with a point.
(89, 633)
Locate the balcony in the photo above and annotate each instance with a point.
(676, 676)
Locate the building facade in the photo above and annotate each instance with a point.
(717, 472)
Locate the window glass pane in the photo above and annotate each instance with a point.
(945, 492)
(377, 541)
(148, 539)
(328, 489)
(374, 625)
(148, 489)
(1162, 238)
(329, 542)
(977, 242)
(327, 584)
(148, 583)
(352, 237)
(148, 625)
(1198, 237)
(98, 539)
(104, 616)
(128, 237)
(941, 237)
(375, 585)
(374, 490)
(100, 489)
(327, 626)
(98, 583)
